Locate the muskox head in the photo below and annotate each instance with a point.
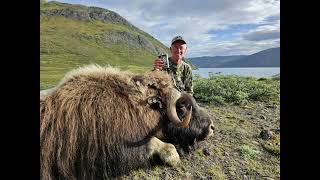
(188, 124)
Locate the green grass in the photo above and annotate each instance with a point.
(44, 86)
(217, 172)
(248, 151)
(199, 152)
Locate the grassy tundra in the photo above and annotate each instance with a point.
(242, 107)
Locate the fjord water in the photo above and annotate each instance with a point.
(252, 72)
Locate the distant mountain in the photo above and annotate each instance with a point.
(216, 61)
(266, 58)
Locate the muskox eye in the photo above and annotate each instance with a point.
(212, 127)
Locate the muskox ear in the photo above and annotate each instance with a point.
(183, 106)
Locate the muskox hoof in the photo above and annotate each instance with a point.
(169, 155)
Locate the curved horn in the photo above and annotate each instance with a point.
(172, 112)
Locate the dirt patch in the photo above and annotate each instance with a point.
(236, 151)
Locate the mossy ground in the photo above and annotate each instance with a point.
(236, 150)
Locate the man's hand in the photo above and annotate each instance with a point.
(158, 64)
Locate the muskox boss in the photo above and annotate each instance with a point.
(97, 123)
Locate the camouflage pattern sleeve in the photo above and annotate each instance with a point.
(188, 80)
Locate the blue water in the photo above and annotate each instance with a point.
(253, 72)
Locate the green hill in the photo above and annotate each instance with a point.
(75, 35)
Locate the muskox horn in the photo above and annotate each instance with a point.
(172, 112)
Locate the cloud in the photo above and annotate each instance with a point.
(264, 32)
(232, 47)
(203, 22)
(262, 35)
(195, 20)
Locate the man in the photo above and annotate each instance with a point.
(180, 71)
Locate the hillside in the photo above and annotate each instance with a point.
(266, 58)
(75, 35)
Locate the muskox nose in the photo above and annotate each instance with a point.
(212, 127)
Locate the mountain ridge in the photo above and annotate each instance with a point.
(85, 13)
(265, 58)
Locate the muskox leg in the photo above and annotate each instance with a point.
(166, 151)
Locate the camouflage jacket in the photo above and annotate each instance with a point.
(181, 75)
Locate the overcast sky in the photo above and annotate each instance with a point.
(211, 27)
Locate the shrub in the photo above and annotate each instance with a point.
(235, 89)
(246, 150)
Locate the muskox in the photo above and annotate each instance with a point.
(98, 123)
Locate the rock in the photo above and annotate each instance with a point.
(263, 117)
(206, 152)
(255, 142)
(114, 36)
(277, 131)
(86, 14)
(271, 106)
(187, 175)
(226, 153)
(266, 134)
(262, 79)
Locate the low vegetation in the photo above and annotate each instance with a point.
(246, 150)
(221, 89)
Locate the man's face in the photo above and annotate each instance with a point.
(178, 50)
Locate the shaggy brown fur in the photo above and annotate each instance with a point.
(89, 123)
